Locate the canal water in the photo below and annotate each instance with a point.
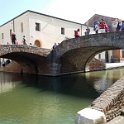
(29, 99)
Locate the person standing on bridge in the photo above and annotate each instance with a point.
(54, 46)
(24, 41)
(118, 28)
(122, 26)
(96, 26)
(87, 32)
(102, 26)
(76, 33)
(13, 38)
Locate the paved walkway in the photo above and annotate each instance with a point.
(117, 120)
(114, 65)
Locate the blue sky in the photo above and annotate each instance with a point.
(73, 10)
(11, 8)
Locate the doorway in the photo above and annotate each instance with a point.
(37, 43)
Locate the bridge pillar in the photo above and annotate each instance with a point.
(54, 63)
(90, 116)
(54, 69)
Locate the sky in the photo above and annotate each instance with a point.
(73, 10)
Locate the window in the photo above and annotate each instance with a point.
(62, 31)
(37, 26)
(2, 35)
(21, 27)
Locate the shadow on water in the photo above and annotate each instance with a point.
(74, 85)
(31, 99)
(89, 85)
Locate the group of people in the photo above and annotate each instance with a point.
(101, 27)
(14, 41)
(76, 32)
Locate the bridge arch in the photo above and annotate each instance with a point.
(76, 53)
(32, 59)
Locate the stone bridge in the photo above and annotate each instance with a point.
(74, 54)
(32, 59)
(69, 56)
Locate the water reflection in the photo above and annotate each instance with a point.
(77, 84)
(7, 82)
(81, 85)
(74, 85)
(34, 99)
(104, 79)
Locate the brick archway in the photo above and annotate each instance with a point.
(37, 43)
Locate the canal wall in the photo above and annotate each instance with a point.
(13, 67)
(54, 68)
(110, 104)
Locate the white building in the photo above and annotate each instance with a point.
(39, 29)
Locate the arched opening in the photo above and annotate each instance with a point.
(37, 43)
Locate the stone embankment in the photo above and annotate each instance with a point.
(110, 104)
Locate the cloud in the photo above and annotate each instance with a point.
(82, 10)
(68, 9)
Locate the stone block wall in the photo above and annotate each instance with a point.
(111, 102)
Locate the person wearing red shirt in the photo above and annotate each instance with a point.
(76, 33)
(102, 26)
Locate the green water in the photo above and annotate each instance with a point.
(29, 99)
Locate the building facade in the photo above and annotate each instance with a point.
(44, 31)
(39, 29)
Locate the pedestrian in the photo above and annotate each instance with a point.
(24, 41)
(76, 33)
(114, 24)
(96, 27)
(118, 28)
(122, 26)
(87, 32)
(13, 38)
(54, 46)
(102, 26)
